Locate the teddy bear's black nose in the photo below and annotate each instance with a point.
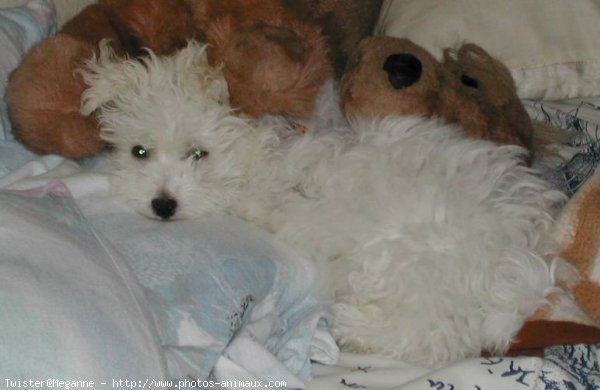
(164, 207)
(403, 70)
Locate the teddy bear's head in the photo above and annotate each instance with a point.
(396, 76)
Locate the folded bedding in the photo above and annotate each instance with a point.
(85, 278)
(223, 290)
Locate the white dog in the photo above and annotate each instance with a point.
(430, 243)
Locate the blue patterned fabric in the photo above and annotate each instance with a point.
(215, 282)
(562, 368)
(579, 363)
(581, 154)
(227, 301)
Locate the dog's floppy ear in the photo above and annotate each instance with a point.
(106, 74)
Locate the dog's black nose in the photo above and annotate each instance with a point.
(164, 207)
(403, 70)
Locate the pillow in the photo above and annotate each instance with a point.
(550, 47)
(71, 309)
(20, 28)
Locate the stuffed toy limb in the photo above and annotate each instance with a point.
(43, 93)
(273, 63)
(276, 55)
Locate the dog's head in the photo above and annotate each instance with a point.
(171, 129)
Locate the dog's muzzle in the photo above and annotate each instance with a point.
(164, 207)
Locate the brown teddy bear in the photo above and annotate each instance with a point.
(470, 87)
(275, 54)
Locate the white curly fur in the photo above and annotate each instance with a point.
(430, 244)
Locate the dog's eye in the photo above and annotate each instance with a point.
(138, 151)
(197, 154)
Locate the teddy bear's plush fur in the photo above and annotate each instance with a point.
(273, 63)
(276, 54)
(470, 87)
(344, 23)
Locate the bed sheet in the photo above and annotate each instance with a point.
(563, 367)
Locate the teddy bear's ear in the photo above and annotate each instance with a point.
(476, 68)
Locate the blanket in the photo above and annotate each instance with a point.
(225, 300)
